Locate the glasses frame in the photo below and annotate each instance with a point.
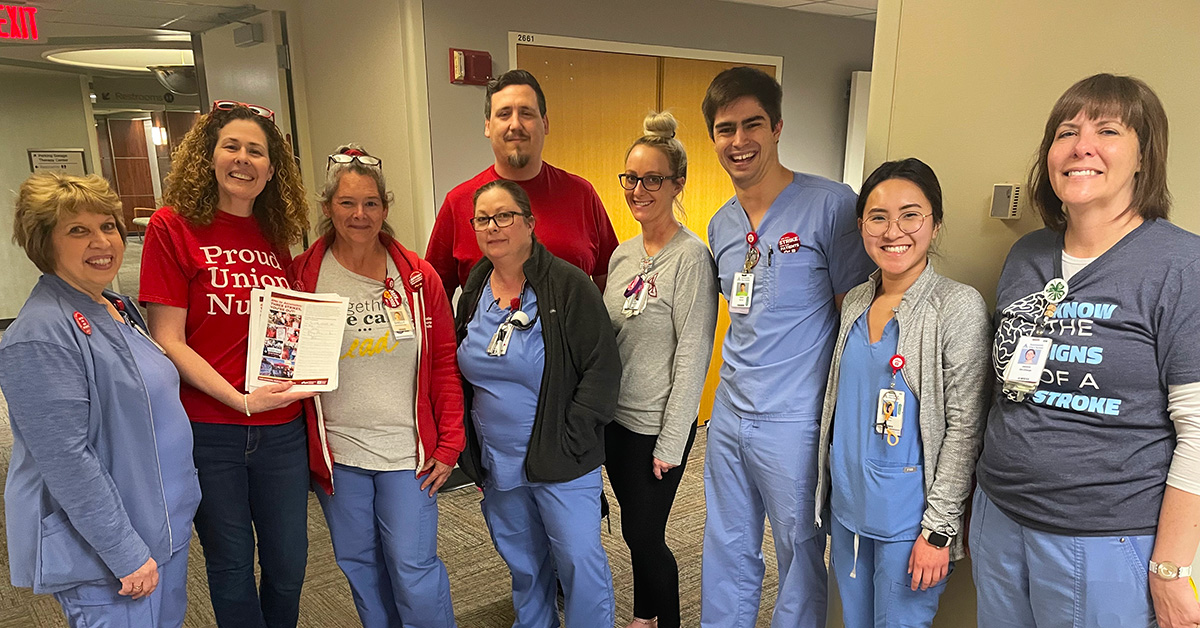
(369, 161)
(625, 177)
(228, 105)
(487, 220)
(888, 225)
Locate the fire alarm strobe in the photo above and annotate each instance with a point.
(470, 67)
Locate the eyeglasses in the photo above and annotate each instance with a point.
(908, 222)
(346, 158)
(502, 220)
(650, 182)
(230, 105)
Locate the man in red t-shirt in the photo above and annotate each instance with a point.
(571, 221)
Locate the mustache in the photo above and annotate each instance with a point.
(516, 136)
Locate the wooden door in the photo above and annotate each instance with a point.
(595, 104)
(684, 82)
(131, 166)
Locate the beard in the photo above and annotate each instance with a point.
(518, 159)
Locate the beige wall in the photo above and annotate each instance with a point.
(37, 110)
(967, 86)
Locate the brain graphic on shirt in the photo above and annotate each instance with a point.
(1018, 319)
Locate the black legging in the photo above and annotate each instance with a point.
(645, 503)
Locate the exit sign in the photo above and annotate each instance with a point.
(18, 22)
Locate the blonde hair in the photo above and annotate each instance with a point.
(658, 131)
(280, 209)
(46, 198)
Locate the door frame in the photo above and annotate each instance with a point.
(516, 38)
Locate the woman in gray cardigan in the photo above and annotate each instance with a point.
(904, 410)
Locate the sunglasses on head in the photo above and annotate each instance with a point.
(353, 156)
(229, 105)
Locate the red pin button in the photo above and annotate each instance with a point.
(389, 283)
(416, 280)
(515, 304)
(83, 323)
(897, 363)
(752, 238)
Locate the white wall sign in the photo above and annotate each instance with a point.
(60, 160)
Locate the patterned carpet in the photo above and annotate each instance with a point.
(479, 581)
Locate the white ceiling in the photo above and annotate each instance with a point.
(861, 9)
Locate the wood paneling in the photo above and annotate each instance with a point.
(595, 105)
(596, 102)
(128, 138)
(684, 82)
(133, 176)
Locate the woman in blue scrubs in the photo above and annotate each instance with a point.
(904, 410)
(542, 369)
(101, 486)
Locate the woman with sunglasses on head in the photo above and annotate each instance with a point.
(904, 410)
(235, 203)
(393, 429)
(662, 301)
(542, 373)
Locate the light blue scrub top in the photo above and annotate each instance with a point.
(878, 489)
(172, 436)
(506, 387)
(776, 357)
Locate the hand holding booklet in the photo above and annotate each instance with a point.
(294, 337)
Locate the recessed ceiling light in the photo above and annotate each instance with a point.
(123, 59)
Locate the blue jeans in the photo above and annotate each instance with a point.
(254, 481)
(384, 533)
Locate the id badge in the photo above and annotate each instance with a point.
(634, 303)
(1024, 370)
(499, 344)
(399, 318)
(889, 413)
(743, 292)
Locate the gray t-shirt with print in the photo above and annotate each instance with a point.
(369, 418)
(1087, 453)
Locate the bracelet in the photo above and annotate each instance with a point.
(246, 403)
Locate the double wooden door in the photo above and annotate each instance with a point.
(596, 102)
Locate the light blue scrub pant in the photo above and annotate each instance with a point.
(99, 605)
(541, 527)
(1025, 578)
(384, 533)
(880, 594)
(754, 468)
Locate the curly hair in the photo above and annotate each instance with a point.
(280, 209)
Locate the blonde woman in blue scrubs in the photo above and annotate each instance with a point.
(904, 410)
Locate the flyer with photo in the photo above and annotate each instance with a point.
(295, 337)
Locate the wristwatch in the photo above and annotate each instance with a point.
(1168, 570)
(939, 540)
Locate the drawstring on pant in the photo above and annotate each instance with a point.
(854, 567)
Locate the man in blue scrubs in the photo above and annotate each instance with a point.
(793, 239)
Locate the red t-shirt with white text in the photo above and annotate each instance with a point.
(210, 270)
(571, 223)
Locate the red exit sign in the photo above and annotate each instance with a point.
(18, 22)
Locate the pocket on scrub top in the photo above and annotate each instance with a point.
(65, 559)
(798, 279)
(897, 494)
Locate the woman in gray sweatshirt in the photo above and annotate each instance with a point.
(662, 299)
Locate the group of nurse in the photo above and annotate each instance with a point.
(1088, 496)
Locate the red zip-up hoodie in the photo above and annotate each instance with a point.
(439, 396)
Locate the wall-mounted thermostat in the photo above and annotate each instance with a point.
(1005, 197)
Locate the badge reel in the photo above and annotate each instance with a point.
(1023, 373)
(516, 320)
(636, 292)
(396, 304)
(889, 410)
(743, 282)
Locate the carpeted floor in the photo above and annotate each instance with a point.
(479, 581)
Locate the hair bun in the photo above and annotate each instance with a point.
(660, 124)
